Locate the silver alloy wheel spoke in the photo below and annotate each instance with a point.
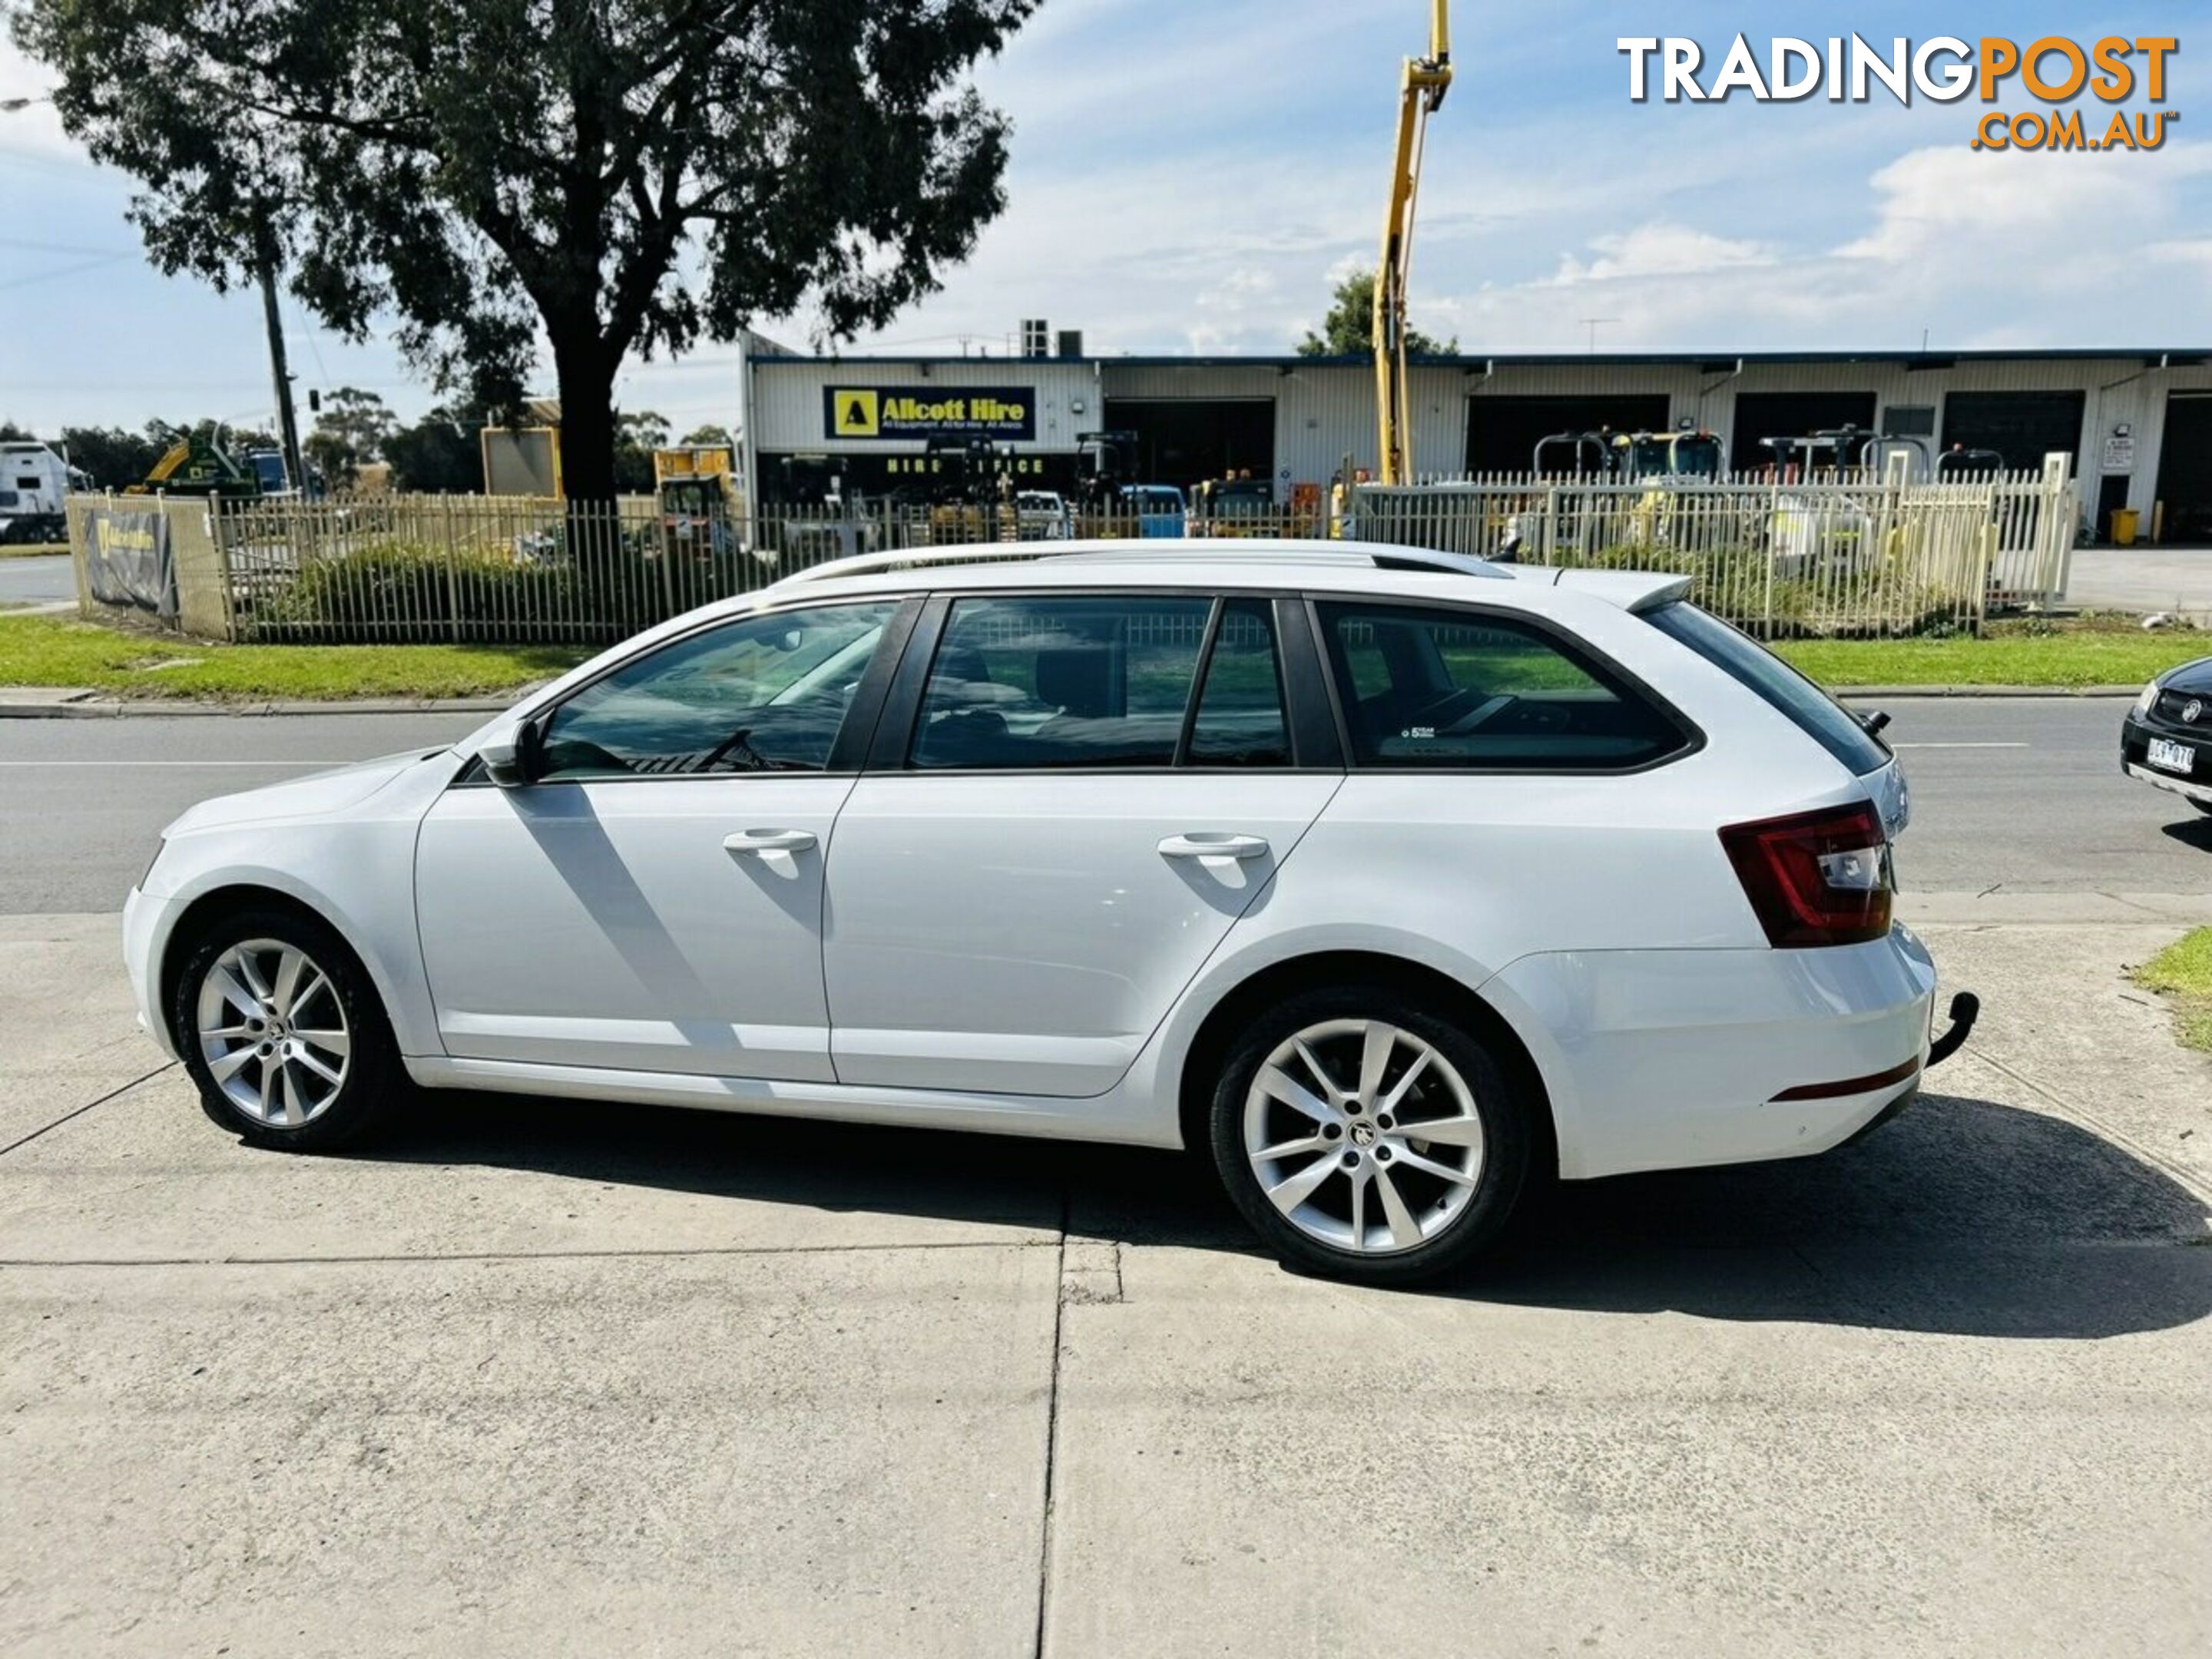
(1340, 1161)
(286, 988)
(1445, 1132)
(1290, 1194)
(304, 1058)
(1379, 1042)
(1280, 1085)
(1405, 1231)
(1443, 1172)
(266, 1063)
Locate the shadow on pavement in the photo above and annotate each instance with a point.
(2195, 830)
(1961, 1216)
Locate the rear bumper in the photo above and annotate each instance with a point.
(1664, 1060)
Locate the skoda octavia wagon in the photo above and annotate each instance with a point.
(1390, 880)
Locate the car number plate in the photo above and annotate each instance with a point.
(2173, 757)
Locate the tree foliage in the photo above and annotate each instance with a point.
(351, 431)
(708, 436)
(1348, 331)
(441, 452)
(620, 176)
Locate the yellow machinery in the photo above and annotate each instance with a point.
(1421, 88)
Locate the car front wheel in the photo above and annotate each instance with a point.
(283, 1032)
(1370, 1138)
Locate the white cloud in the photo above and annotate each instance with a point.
(1659, 249)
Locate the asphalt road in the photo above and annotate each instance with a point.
(37, 581)
(2017, 795)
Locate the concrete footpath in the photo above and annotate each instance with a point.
(540, 1379)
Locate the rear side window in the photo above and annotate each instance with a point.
(1422, 687)
(1023, 684)
(1750, 664)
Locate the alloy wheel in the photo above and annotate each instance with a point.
(273, 1032)
(1364, 1136)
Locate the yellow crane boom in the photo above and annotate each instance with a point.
(1421, 88)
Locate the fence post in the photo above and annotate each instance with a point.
(452, 578)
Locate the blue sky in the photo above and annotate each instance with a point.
(1189, 175)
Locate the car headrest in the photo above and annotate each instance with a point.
(1077, 679)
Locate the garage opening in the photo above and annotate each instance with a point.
(2184, 467)
(1794, 415)
(1503, 432)
(2023, 427)
(1185, 440)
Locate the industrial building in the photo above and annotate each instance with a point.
(2138, 423)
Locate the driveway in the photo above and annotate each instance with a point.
(535, 1378)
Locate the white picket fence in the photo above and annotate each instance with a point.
(1840, 553)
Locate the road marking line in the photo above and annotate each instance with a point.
(1958, 745)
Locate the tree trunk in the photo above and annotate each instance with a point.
(586, 378)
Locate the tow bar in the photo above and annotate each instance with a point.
(1965, 1009)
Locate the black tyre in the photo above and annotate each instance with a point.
(283, 1031)
(1368, 1136)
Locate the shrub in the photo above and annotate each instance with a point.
(402, 589)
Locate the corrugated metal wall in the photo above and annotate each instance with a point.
(1324, 411)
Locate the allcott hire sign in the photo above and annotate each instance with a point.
(928, 411)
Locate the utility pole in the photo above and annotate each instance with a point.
(1593, 324)
(265, 269)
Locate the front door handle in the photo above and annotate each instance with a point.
(768, 841)
(1213, 844)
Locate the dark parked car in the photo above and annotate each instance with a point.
(2168, 738)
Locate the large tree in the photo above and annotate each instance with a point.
(603, 176)
(1348, 331)
(351, 431)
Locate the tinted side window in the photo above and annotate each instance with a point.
(1750, 664)
(766, 694)
(1437, 688)
(1084, 681)
(1240, 711)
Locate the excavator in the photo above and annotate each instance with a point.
(1421, 89)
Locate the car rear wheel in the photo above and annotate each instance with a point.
(1369, 1137)
(283, 1032)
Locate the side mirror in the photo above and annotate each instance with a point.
(508, 757)
(1873, 719)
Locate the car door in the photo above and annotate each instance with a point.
(1071, 799)
(651, 900)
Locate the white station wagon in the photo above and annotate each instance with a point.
(1393, 879)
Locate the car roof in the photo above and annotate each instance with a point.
(1349, 567)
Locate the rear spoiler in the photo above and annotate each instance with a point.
(1634, 591)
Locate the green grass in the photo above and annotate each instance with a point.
(59, 651)
(2062, 662)
(2183, 972)
(32, 549)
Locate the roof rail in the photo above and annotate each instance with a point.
(1226, 550)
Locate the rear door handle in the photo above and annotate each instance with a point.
(768, 841)
(1213, 844)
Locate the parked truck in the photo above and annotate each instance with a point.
(34, 485)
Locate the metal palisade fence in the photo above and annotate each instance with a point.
(1844, 553)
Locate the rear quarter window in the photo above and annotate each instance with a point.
(1752, 666)
(1426, 687)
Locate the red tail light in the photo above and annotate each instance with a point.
(1816, 877)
